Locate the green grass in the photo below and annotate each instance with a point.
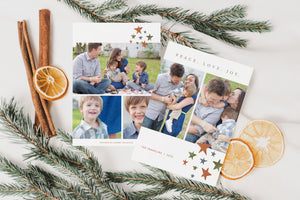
(153, 66)
(77, 119)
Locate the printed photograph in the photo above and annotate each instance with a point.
(216, 112)
(96, 117)
(172, 100)
(115, 68)
(134, 110)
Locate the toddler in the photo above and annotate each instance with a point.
(114, 73)
(136, 106)
(91, 127)
(188, 91)
(220, 140)
(140, 78)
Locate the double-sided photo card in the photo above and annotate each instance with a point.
(110, 62)
(192, 113)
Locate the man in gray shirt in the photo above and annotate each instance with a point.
(87, 73)
(160, 97)
(205, 117)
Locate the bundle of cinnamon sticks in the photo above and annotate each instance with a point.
(42, 115)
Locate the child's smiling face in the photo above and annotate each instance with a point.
(137, 112)
(113, 67)
(138, 68)
(90, 109)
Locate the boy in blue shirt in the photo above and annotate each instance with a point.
(136, 107)
(140, 78)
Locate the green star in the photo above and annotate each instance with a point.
(149, 37)
(195, 167)
(133, 36)
(218, 165)
(192, 155)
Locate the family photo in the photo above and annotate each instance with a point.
(173, 97)
(216, 112)
(111, 68)
(96, 117)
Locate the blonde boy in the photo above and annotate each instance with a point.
(91, 127)
(136, 107)
(114, 73)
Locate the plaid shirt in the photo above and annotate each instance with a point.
(85, 131)
(226, 128)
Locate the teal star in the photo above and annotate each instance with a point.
(192, 155)
(133, 36)
(218, 165)
(149, 37)
(195, 167)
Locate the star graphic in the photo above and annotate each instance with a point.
(185, 162)
(145, 31)
(195, 167)
(213, 154)
(130, 41)
(144, 44)
(138, 29)
(202, 160)
(137, 42)
(149, 37)
(192, 155)
(141, 37)
(218, 164)
(205, 173)
(133, 36)
(192, 175)
(203, 147)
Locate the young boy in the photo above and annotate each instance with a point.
(136, 106)
(91, 127)
(160, 96)
(114, 73)
(140, 78)
(220, 140)
(188, 91)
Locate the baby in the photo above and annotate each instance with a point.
(136, 107)
(188, 91)
(220, 140)
(114, 73)
(91, 127)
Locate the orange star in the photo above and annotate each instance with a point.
(144, 44)
(203, 146)
(185, 162)
(130, 41)
(138, 29)
(205, 173)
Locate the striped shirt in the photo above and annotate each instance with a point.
(86, 131)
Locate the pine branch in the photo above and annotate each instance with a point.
(16, 190)
(109, 6)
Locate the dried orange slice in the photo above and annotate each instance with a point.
(265, 140)
(239, 160)
(50, 82)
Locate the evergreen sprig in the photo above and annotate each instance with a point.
(72, 172)
(219, 24)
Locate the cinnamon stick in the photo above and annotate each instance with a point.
(29, 66)
(44, 51)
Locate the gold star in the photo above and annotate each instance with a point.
(138, 29)
(203, 146)
(205, 173)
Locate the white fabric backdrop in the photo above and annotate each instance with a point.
(273, 93)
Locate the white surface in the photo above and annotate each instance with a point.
(273, 93)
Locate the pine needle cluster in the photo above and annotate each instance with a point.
(73, 172)
(221, 24)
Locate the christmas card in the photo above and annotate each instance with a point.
(115, 66)
(192, 113)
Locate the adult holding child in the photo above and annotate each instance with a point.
(160, 96)
(205, 117)
(87, 73)
(116, 55)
